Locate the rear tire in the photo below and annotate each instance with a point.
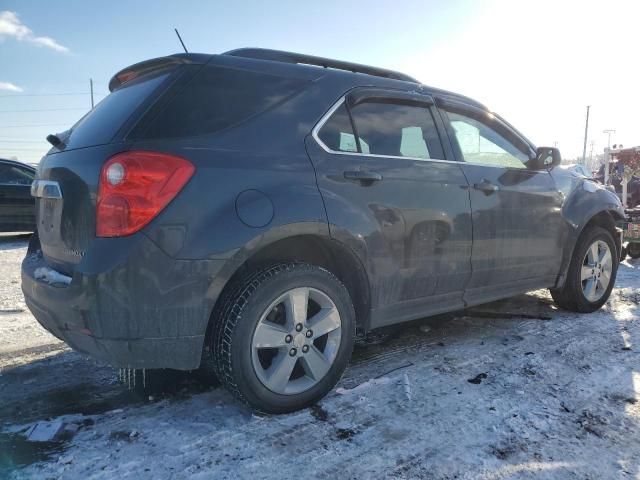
(594, 259)
(266, 352)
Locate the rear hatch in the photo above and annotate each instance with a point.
(67, 182)
(154, 108)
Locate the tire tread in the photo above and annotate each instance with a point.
(569, 296)
(230, 313)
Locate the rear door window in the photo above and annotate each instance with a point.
(218, 98)
(389, 129)
(397, 130)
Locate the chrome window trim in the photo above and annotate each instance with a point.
(338, 104)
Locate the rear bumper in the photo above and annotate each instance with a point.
(146, 311)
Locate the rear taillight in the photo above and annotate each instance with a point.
(134, 187)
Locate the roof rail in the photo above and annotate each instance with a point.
(290, 57)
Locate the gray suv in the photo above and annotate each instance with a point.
(251, 213)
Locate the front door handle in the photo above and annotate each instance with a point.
(486, 186)
(364, 176)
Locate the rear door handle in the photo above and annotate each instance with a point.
(365, 176)
(486, 186)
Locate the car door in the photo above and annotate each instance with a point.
(16, 202)
(391, 190)
(516, 211)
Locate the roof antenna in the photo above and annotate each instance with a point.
(180, 38)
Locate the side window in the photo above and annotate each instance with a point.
(337, 132)
(482, 144)
(383, 129)
(413, 144)
(12, 175)
(396, 130)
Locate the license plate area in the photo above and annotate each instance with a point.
(49, 219)
(49, 203)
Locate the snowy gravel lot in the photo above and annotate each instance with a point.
(513, 389)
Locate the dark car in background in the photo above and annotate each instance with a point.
(17, 206)
(251, 213)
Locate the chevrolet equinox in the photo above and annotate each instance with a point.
(252, 213)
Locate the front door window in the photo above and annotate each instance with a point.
(482, 144)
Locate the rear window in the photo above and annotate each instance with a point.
(217, 98)
(102, 123)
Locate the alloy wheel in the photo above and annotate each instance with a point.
(595, 274)
(296, 341)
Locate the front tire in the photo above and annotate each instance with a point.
(284, 337)
(591, 274)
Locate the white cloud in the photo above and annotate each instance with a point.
(11, 26)
(8, 86)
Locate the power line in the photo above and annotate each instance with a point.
(24, 149)
(49, 94)
(32, 125)
(43, 110)
(22, 141)
(14, 138)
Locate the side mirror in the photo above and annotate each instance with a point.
(546, 158)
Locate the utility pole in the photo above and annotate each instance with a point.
(586, 131)
(607, 155)
(91, 88)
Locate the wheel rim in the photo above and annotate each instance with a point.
(596, 271)
(296, 341)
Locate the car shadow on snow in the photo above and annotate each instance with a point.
(67, 384)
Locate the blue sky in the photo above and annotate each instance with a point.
(538, 63)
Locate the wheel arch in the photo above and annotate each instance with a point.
(604, 218)
(312, 248)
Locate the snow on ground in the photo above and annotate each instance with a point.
(513, 389)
